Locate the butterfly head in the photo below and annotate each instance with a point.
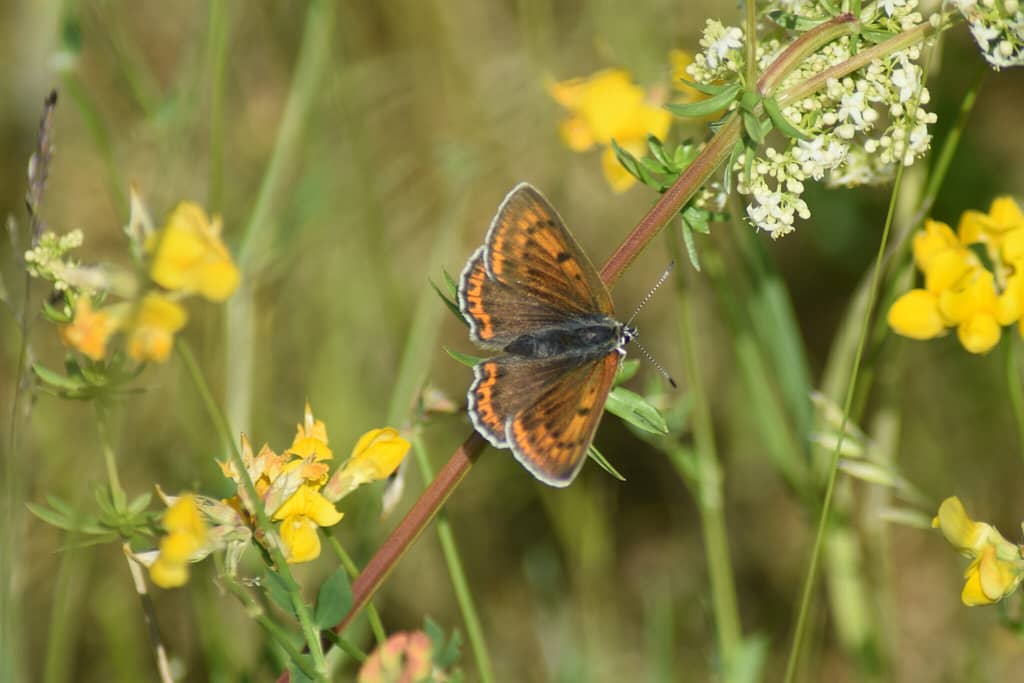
(627, 333)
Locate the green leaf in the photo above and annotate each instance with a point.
(333, 601)
(634, 409)
(875, 36)
(753, 127)
(698, 219)
(464, 358)
(295, 672)
(708, 89)
(450, 303)
(794, 22)
(684, 154)
(445, 652)
(596, 456)
(633, 166)
(657, 149)
(711, 105)
(785, 126)
(450, 283)
(57, 380)
(691, 247)
(140, 503)
(56, 314)
(277, 589)
(627, 370)
(51, 517)
(737, 150)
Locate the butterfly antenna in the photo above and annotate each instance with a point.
(643, 302)
(650, 359)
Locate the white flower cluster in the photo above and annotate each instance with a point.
(49, 260)
(860, 127)
(46, 259)
(997, 27)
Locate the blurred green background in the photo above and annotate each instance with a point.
(422, 116)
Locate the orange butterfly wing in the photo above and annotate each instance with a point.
(551, 435)
(529, 249)
(546, 410)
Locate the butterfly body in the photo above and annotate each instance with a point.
(531, 293)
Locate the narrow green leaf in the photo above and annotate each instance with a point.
(795, 22)
(633, 166)
(706, 88)
(140, 503)
(875, 36)
(634, 409)
(698, 219)
(785, 126)
(597, 457)
(711, 105)
(57, 380)
(450, 303)
(51, 517)
(753, 127)
(691, 246)
(657, 148)
(295, 672)
(333, 601)
(277, 589)
(464, 358)
(737, 150)
(451, 284)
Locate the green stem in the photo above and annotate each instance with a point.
(280, 635)
(750, 43)
(826, 505)
(263, 522)
(109, 457)
(1013, 384)
(213, 411)
(217, 50)
(256, 236)
(949, 146)
(347, 647)
(709, 489)
(457, 574)
(376, 625)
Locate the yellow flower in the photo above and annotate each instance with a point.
(376, 455)
(974, 307)
(189, 256)
(934, 239)
(1003, 217)
(151, 331)
(916, 315)
(311, 438)
(90, 329)
(186, 535)
(959, 290)
(998, 565)
(608, 106)
(300, 517)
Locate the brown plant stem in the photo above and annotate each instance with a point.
(407, 531)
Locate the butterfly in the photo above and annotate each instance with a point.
(531, 293)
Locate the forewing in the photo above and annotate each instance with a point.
(497, 313)
(529, 249)
(550, 436)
